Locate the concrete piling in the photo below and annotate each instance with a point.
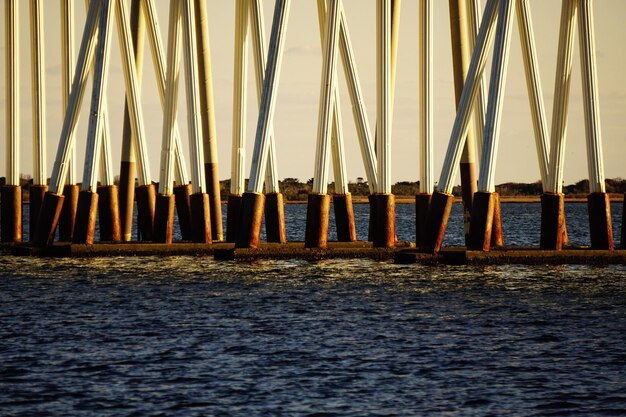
(201, 218)
(422, 203)
(600, 226)
(233, 217)
(163, 218)
(344, 217)
(317, 217)
(109, 214)
(182, 198)
(251, 220)
(86, 213)
(275, 218)
(552, 221)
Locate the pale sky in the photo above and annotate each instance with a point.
(295, 120)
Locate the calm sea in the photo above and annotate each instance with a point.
(188, 336)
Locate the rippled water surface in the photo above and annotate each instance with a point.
(190, 336)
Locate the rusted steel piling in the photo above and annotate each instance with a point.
(109, 214)
(85, 227)
(275, 218)
(146, 206)
(385, 226)
(552, 221)
(422, 203)
(163, 218)
(233, 217)
(11, 213)
(251, 220)
(201, 218)
(344, 217)
(182, 198)
(437, 221)
(67, 218)
(600, 226)
(36, 194)
(317, 218)
(482, 221)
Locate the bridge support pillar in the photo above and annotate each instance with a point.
(497, 232)
(182, 201)
(437, 220)
(251, 220)
(67, 218)
(552, 221)
(422, 203)
(385, 222)
(275, 218)
(344, 217)
(201, 218)
(109, 214)
(11, 213)
(86, 214)
(163, 218)
(233, 217)
(49, 218)
(600, 227)
(36, 195)
(146, 201)
(481, 225)
(317, 217)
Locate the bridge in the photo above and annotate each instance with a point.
(189, 183)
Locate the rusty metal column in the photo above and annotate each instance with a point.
(599, 205)
(11, 202)
(426, 177)
(441, 204)
(208, 118)
(128, 162)
(485, 200)
(253, 199)
(552, 200)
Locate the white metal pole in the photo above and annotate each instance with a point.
(337, 142)
(194, 123)
(497, 87)
(171, 102)
(84, 63)
(257, 25)
(95, 129)
(106, 172)
(586, 35)
(268, 102)
(533, 84)
(327, 98)
(427, 181)
(67, 69)
(473, 16)
(383, 94)
(358, 104)
(12, 156)
(468, 97)
(158, 58)
(561, 95)
(238, 153)
(133, 96)
(38, 93)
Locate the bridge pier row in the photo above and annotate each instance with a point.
(109, 214)
(344, 217)
(275, 218)
(182, 201)
(317, 218)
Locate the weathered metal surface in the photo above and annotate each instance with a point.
(109, 214)
(437, 221)
(182, 195)
(422, 203)
(385, 224)
(200, 218)
(600, 226)
(67, 218)
(251, 220)
(86, 213)
(163, 218)
(317, 217)
(36, 194)
(275, 218)
(146, 197)
(11, 207)
(552, 221)
(344, 217)
(482, 221)
(233, 217)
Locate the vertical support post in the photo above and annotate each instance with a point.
(485, 199)
(11, 202)
(441, 204)
(39, 186)
(623, 241)
(238, 150)
(461, 53)
(601, 229)
(316, 235)
(70, 190)
(88, 198)
(384, 204)
(252, 204)
(552, 214)
(426, 177)
(164, 210)
(199, 199)
(208, 118)
(128, 168)
(274, 206)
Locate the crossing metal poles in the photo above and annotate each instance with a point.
(598, 202)
(552, 200)
(39, 186)
(11, 203)
(485, 200)
(441, 203)
(426, 177)
(253, 199)
(207, 108)
(128, 168)
(70, 189)
(318, 207)
(342, 199)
